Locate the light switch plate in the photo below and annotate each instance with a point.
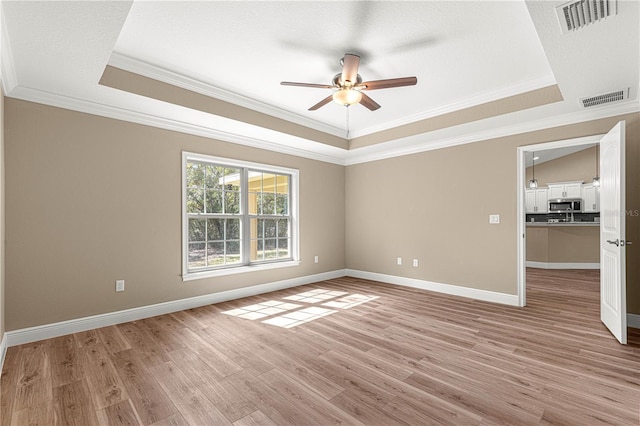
(494, 218)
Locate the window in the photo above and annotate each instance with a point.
(237, 216)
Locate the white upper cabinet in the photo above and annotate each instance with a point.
(536, 200)
(591, 197)
(565, 190)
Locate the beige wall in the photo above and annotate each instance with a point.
(579, 166)
(402, 207)
(91, 200)
(563, 244)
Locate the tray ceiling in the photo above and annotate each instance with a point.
(214, 68)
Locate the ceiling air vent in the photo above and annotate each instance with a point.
(616, 96)
(578, 14)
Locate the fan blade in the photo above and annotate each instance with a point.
(350, 64)
(369, 103)
(322, 103)
(391, 82)
(319, 86)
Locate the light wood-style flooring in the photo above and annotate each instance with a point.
(405, 357)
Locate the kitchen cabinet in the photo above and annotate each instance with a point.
(536, 200)
(591, 197)
(565, 190)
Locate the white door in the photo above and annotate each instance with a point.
(613, 294)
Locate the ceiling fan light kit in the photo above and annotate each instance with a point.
(348, 85)
(347, 97)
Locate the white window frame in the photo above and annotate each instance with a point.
(236, 269)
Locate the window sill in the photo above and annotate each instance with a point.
(239, 270)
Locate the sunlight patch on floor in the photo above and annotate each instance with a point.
(288, 315)
(295, 318)
(262, 310)
(314, 296)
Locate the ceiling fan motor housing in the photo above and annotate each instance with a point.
(338, 83)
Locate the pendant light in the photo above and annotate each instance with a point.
(596, 178)
(533, 183)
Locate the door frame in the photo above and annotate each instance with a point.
(522, 234)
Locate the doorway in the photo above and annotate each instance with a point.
(525, 152)
(612, 226)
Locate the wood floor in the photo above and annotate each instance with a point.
(405, 357)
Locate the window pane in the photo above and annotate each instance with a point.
(283, 227)
(270, 249)
(268, 182)
(195, 200)
(232, 202)
(213, 177)
(215, 253)
(254, 207)
(260, 228)
(270, 228)
(195, 175)
(233, 252)
(257, 250)
(268, 203)
(197, 229)
(196, 255)
(215, 229)
(283, 248)
(283, 184)
(232, 179)
(282, 204)
(214, 201)
(233, 229)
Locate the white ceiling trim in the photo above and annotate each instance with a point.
(358, 156)
(456, 106)
(419, 145)
(118, 113)
(7, 70)
(164, 75)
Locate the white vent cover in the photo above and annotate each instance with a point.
(615, 96)
(578, 14)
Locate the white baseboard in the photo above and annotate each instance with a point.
(559, 265)
(47, 331)
(633, 320)
(472, 293)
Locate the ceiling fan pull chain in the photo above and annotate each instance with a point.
(347, 107)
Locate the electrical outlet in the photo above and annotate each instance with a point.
(315, 259)
(415, 263)
(119, 285)
(399, 261)
(494, 218)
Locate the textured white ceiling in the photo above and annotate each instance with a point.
(463, 53)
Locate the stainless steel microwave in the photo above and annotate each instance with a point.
(564, 205)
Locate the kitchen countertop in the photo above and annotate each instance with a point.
(555, 224)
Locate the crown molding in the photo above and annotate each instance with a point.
(164, 75)
(155, 72)
(346, 158)
(7, 71)
(419, 146)
(124, 114)
(483, 98)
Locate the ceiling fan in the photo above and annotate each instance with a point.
(348, 85)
